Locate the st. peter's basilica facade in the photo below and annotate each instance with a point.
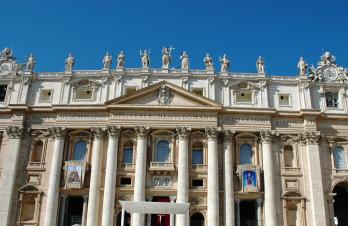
(244, 149)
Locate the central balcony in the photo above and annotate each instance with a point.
(162, 167)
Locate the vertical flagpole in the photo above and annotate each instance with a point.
(122, 217)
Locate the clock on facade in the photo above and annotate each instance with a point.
(330, 73)
(5, 67)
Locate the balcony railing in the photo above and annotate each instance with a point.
(199, 167)
(36, 166)
(291, 170)
(340, 171)
(128, 166)
(162, 166)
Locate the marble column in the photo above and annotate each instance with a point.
(110, 177)
(8, 178)
(172, 216)
(93, 197)
(316, 190)
(58, 134)
(213, 178)
(148, 217)
(84, 210)
(238, 212)
(140, 172)
(228, 178)
(259, 211)
(183, 174)
(269, 180)
(62, 209)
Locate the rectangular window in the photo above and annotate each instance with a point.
(130, 90)
(283, 99)
(84, 94)
(197, 183)
(197, 157)
(244, 97)
(126, 181)
(128, 155)
(331, 99)
(198, 91)
(3, 89)
(45, 96)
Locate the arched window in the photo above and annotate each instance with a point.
(197, 154)
(162, 151)
(36, 152)
(197, 219)
(340, 158)
(128, 153)
(288, 156)
(246, 154)
(80, 149)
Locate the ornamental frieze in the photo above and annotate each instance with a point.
(244, 120)
(164, 116)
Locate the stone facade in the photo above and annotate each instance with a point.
(242, 149)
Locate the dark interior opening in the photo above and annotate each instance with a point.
(127, 219)
(341, 203)
(248, 213)
(160, 219)
(73, 211)
(197, 183)
(197, 219)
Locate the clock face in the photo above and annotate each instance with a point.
(5, 67)
(330, 73)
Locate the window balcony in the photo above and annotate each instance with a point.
(340, 172)
(128, 166)
(291, 170)
(36, 166)
(162, 166)
(199, 167)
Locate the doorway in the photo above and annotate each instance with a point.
(127, 219)
(341, 203)
(197, 219)
(248, 215)
(74, 211)
(160, 219)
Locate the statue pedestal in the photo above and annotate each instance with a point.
(224, 73)
(120, 69)
(70, 72)
(27, 72)
(185, 71)
(145, 70)
(105, 71)
(210, 71)
(165, 70)
(262, 75)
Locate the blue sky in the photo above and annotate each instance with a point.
(281, 31)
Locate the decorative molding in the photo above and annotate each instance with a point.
(164, 95)
(212, 132)
(85, 83)
(113, 131)
(211, 80)
(145, 80)
(98, 132)
(57, 132)
(312, 137)
(225, 82)
(14, 132)
(162, 181)
(229, 134)
(183, 132)
(266, 136)
(118, 78)
(141, 131)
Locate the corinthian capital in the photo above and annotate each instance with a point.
(56, 132)
(212, 132)
(311, 137)
(14, 132)
(113, 131)
(141, 131)
(266, 136)
(183, 132)
(228, 134)
(98, 132)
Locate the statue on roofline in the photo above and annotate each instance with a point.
(225, 63)
(184, 61)
(208, 61)
(120, 60)
(260, 65)
(69, 62)
(107, 61)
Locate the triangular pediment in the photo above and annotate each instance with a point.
(163, 95)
